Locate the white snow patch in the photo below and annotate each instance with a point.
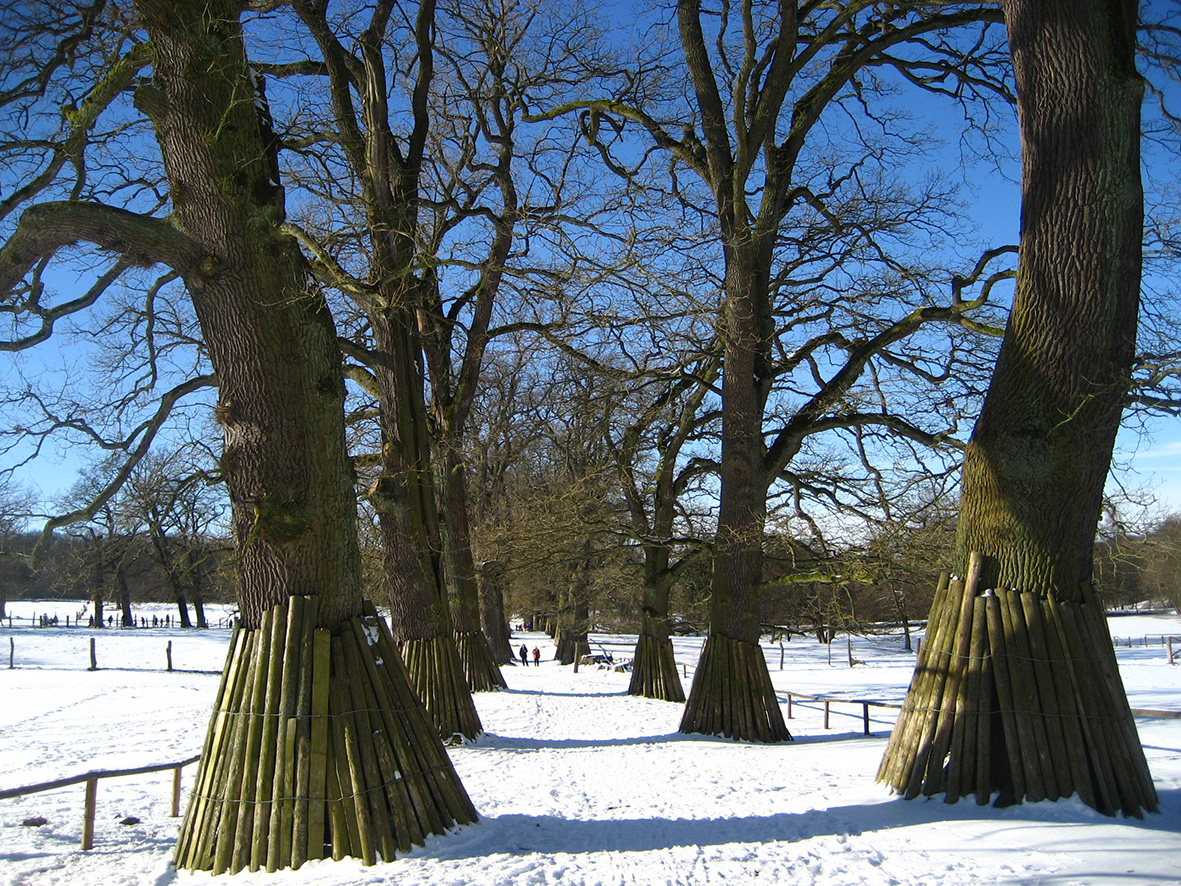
(576, 782)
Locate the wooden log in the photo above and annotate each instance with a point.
(428, 762)
(268, 715)
(1126, 724)
(1075, 749)
(283, 778)
(230, 789)
(88, 812)
(1085, 681)
(951, 701)
(244, 831)
(205, 807)
(1013, 789)
(414, 791)
(294, 845)
(904, 737)
(387, 737)
(174, 809)
(1052, 714)
(352, 776)
(335, 807)
(318, 783)
(375, 788)
(986, 713)
(198, 802)
(931, 703)
(1032, 748)
(1136, 792)
(961, 767)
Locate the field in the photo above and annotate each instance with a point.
(576, 782)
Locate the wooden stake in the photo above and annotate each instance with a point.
(278, 853)
(174, 810)
(244, 829)
(317, 787)
(88, 814)
(294, 845)
(268, 725)
(1002, 680)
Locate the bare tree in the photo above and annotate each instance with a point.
(762, 78)
(273, 346)
(178, 503)
(1039, 454)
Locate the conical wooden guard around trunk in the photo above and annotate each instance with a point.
(479, 666)
(317, 748)
(732, 694)
(436, 673)
(654, 670)
(1018, 696)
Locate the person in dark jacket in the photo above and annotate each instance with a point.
(524, 655)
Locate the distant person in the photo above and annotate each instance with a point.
(524, 655)
(537, 656)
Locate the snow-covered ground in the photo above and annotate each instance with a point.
(576, 782)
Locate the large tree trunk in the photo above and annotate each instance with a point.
(124, 596)
(480, 668)
(405, 502)
(493, 619)
(654, 669)
(1017, 689)
(292, 767)
(731, 692)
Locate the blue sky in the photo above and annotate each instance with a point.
(1152, 461)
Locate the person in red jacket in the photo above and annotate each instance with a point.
(537, 656)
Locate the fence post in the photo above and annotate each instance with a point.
(88, 814)
(93, 657)
(169, 655)
(12, 652)
(1170, 652)
(865, 715)
(826, 713)
(789, 705)
(176, 792)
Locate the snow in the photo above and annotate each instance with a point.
(576, 782)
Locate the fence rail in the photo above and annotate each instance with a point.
(91, 780)
(867, 703)
(829, 700)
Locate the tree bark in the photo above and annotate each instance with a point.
(480, 667)
(493, 619)
(654, 669)
(1035, 467)
(278, 769)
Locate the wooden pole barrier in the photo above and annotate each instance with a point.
(12, 652)
(175, 811)
(93, 657)
(1170, 652)
(865, 716)
(826, 713)
(789, 705)
(169, 654)
(88, 814)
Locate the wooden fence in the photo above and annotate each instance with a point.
(867, 703)
(91, 780)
